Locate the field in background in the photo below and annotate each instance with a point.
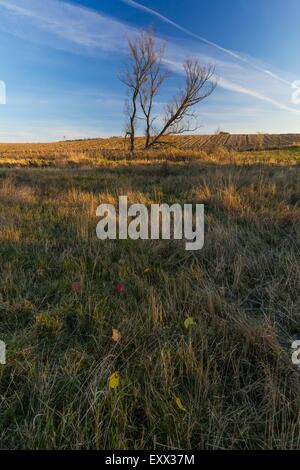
(231, 370)
(239, 142)
(98, 152)
(236, 142)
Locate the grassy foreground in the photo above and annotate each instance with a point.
(231, 370)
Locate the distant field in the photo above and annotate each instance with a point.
(207, 142)
(240, 141)
(96, 152)
(194, 142)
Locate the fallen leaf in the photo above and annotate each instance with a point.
(77, 286)
(116, 335)
(114, 380)
(179, 404)
(120, 288)
(146, 270)
(188, 322)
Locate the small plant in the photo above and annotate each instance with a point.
(48, 325)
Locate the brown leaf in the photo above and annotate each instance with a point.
(116, 335)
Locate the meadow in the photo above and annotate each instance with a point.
(223, 380)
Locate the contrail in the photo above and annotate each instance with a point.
(163, 18)
(231, 86)
(256, 94)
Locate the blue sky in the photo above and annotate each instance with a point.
(60, 62)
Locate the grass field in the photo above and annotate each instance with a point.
(231, 370)
(221, 149)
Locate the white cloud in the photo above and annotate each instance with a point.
(67, 22)
(248, 91)
(152, 12)
(78, 29)
(204, 40)
(229, 66)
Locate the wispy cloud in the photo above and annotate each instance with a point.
(248, 63)
(163, 18)
(202, 39)
(239, 78)
(73, 27)
(71, 24)
(248, 91)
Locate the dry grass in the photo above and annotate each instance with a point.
(232, 370)
(101, 152)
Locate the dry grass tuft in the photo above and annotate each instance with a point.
(231, 370)
(10, 194)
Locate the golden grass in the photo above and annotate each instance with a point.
(101, 152)
(232, 370)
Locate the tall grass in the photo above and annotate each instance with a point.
(231, 370)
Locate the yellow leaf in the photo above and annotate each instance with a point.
(146, 270)
(114, 380)
(180, 405)
(116, 335)
(188, 322)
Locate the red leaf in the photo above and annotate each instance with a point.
(77, 287)
(120, 288)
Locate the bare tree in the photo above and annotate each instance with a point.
(142, 78)
(179, 113)
(155, 77)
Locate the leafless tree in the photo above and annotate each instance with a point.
(155, 77)
(143, 78)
